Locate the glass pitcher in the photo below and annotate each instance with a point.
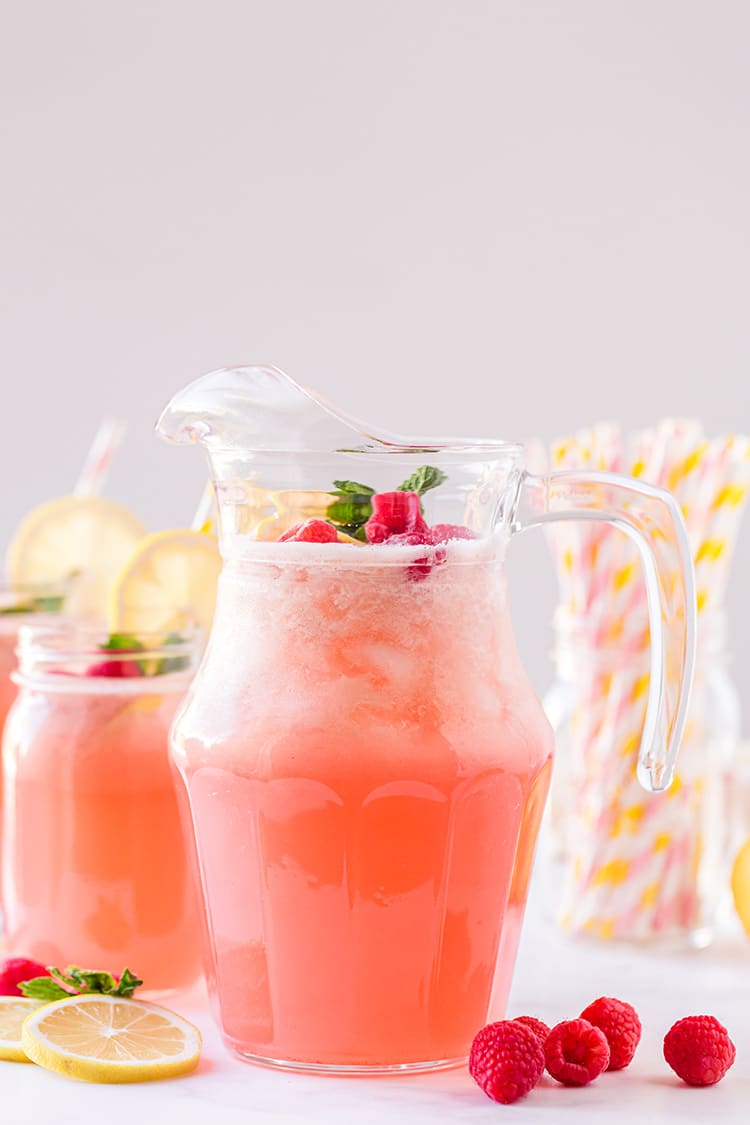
(364, 759)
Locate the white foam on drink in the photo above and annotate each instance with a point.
(357, 640)
(239, 548)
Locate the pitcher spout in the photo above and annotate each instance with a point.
(262, 409)
(279, 452)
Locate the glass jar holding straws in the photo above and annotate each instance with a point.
(640, 870)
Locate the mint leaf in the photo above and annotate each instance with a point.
(422, 480)
(92, 981)
(121, 642)
(125, 643)
(172, 663)
(128, 984)
(36, 605)
(75, 981)
(349, 515)
(51, 604)
(43, 988)
(352, 508)
(129, 643)
(347, 487)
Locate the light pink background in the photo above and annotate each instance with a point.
(481, 216)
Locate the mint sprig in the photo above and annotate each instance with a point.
(172, 663)
(42, 604)
(126, 643)
(75, 981)
(121, 642)
(422, 480)
(352, 507)
(352, 488)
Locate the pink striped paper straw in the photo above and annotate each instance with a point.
(204, 510)
(99, 458)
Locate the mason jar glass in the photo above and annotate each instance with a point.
(95, 869)
(21, 605)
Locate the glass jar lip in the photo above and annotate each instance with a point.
(83, 637)
(76, 656)
(22, 602)
(24, 597)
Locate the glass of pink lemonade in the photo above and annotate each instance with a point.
(364, 759)
(95, 870)
(21, 606)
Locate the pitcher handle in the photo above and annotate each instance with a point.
(652, 518)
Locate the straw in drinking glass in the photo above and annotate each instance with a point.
(98, 461)
(203, 518)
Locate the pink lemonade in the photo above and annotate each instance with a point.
(8, 640)
(366, 766)
(11, 619)
(21, 606)
(94, 865)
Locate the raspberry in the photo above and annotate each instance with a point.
(539, 1027)
(117, 669)
(506, 1060)
(394, 513)
(421, 566)
(407, 539)
(311, 531)
(442, 532)
(621, 1026)
(699, 1050)
(576, 1052)
(17, 969)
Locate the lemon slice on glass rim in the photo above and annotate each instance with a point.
(740, 884)
(81, 539)
(111, 1039)
(13, 1012)
(167, 583)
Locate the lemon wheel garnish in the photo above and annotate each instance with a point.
(168, 581)
(306, 503)
(272, 527)
(741, 885)
(292, 506)
(110, 1039)
(86, 539)
(13, 1011)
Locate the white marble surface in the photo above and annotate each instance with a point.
(555, 979)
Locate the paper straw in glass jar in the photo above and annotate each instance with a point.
(636, 858)
(98, 460)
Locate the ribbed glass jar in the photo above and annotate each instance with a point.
(639, 867)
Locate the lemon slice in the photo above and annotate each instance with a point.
(109, 1039)
(292, 506)
(13, 1011)
(741, 885)
(86, 537)
(271, 527)
(305, 503)
(168, 581)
